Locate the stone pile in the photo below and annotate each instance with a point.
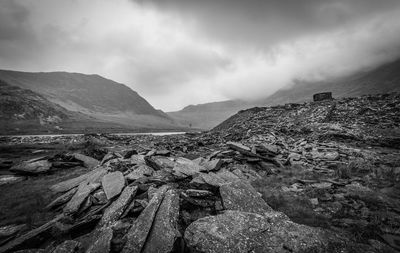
(152, 202)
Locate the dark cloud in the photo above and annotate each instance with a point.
(176, 52)
(267, 22)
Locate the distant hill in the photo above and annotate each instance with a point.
(383, 79)
(94, 96)
(206, 116)
(26, 112)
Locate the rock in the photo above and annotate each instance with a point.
(163, 152)
(33, 235)
(198, 193)
(11, 230)
(113, 183)
(80, 196)
(62, 199)
(240, 147)
(109, 156)
(69, 184)
(68, 246)
(268, 148)
(99, 197)
(164, 230)
(10, 179)
(139, 172)
(93, 176)
(208, 178)
(227, 176)
(235, 231)
(159, 162)
(185, 168)
(115, 210)
(88, 162)
(127, 154)
(242, 197)
(103, 242)
(32, 167)
(137, 159)
(323, 185)
(136, 237)
(210, 165)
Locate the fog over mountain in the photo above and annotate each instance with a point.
(180, 52)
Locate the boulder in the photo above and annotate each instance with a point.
(140, 171)
(113, 183)
(115, 210)
(236, 231)
(33, 235)
(93, 176)
(137, 234)
(68, 246)
(137, 159)
(80, 196)
(103, 242)
(32, 167)
(159, 162)
(185, 168)
(88, 162)
(164, 230)
(62, 199)
(210, 165)
(242, 196)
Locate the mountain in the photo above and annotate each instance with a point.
(94, 96)
(26, 112)
(382, 79)
(206, 116)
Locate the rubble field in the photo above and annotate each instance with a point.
(314, 177)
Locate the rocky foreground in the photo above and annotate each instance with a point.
(314, 177)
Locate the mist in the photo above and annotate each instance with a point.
(176, 53)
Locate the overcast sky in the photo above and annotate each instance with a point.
(180, 52)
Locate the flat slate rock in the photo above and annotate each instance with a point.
(88, 161)
(236, 231)
(64, 198)
(32, 168)
(113, 183)
(139, 172)
(92, 176)
(159, 162)
(115, 210)
(17, 243)
(103, 242)
(80, 196)
(164, 231)
(242, 196)
(137, 234)
(68, 246)
(137, 159)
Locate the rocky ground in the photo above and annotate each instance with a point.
(314, 177)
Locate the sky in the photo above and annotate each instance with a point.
(180, 52)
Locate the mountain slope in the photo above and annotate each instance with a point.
(383, 79)
(26, 112)
(92, 95)
(206, 116)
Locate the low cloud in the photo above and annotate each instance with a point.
(176, 52)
